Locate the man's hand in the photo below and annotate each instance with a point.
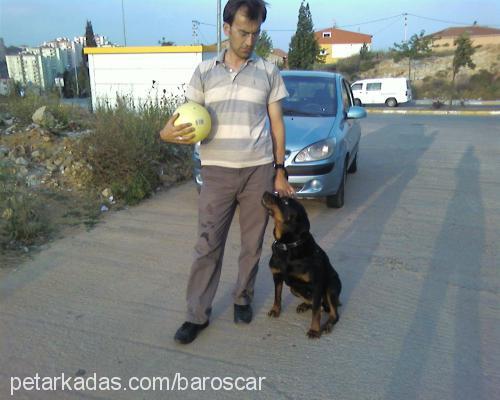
(281, 185)
(180, 134)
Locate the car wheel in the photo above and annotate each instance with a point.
(354, 165)
(337, 200)
(357, 102)
(391, 102)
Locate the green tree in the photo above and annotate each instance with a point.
(365, 58)
(89, 35)
(461, 58)
(264, 45)
(364, 52)
(83, 80)
(164, 42)
(304, 48)
(68, 90)
(418, 46)
(83, 70)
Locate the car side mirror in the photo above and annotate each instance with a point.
(356, 112)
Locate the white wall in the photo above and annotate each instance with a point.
(132, 73)
(346, 50)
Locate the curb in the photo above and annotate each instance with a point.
(428, 102)
(434, 112)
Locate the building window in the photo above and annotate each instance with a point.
(327, 34)
(323, 52)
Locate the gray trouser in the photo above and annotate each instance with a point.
(222, 190)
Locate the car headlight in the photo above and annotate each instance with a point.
(317, 151)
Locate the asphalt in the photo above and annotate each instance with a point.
(416, 247)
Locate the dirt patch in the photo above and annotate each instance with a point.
(485, 57)
(41, 164)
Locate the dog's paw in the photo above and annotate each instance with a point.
(274, 312)
(312, 334)
(327, 327)
(303, 307)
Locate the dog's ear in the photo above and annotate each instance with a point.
(306, 224)
(302, 217)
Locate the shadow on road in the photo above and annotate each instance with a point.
(457, 254)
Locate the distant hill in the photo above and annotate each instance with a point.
(431, 76)
(439, 64)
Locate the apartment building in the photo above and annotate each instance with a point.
(39, 66)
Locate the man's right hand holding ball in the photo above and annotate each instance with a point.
(180, 134)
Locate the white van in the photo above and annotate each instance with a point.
(391, 91)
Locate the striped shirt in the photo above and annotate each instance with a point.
(237, 102)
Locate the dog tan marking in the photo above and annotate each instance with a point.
(303, 307)
(314, 331)
(333, 316)
(275, 311)
(275, 270)
(305, 277)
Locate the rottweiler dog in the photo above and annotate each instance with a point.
(298, 261)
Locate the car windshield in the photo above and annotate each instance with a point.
(310, 96)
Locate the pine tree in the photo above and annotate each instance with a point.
(304, 48)
(264, 45)
(83, 70)
(89, 35)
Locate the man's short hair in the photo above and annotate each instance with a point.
(254, 10)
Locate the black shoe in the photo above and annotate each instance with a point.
(188, 332)
(242, 314)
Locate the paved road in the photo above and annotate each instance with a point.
(416, 247)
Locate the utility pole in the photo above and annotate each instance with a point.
(406, 24)
(195, 25)
(218, 26)
(123, 23)
(76, 70)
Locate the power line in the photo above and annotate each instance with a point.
(343, 26)
(440, 20)
(371, 22)
(449, 22)
(386, 27)
(204, 23)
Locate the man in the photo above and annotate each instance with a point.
(240, 90)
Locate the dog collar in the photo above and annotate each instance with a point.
(287, 246)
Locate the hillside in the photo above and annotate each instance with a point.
(439, 64)
(431, 76)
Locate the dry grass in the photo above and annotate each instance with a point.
(122, 149)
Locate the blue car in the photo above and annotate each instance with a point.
(322, 134)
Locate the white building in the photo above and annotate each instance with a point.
(73, 49)
(142, 73)
(39, 66)
(100, 40)
(28, 69)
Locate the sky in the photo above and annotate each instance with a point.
(31, 22)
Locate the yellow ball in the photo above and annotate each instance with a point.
(199, 118)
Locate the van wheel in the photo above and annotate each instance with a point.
(337, 200)
(391, 102)
(357, 102)
(354, 165)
